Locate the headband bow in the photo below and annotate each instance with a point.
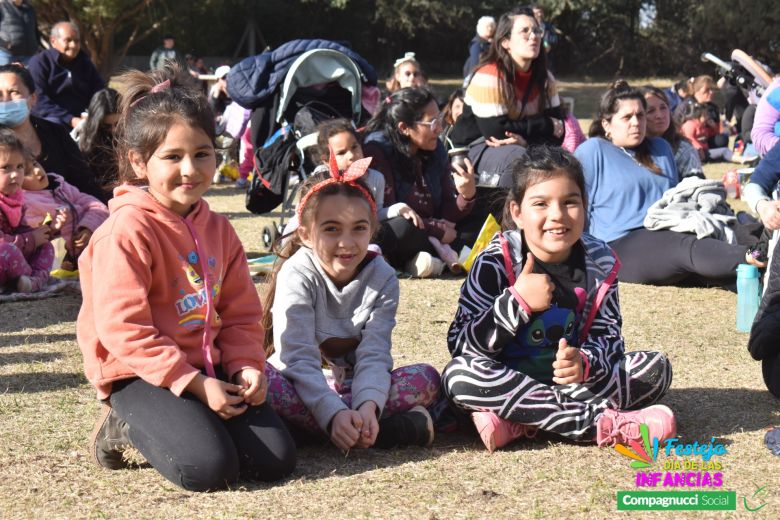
(409, 56)
(355, 171)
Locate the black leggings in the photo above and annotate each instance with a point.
(192, 447)
(400, 240)
(667, 258)
(770, 368)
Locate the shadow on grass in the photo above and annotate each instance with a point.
(703, 413)
(39, 314)
(27, 357)
(27, 383)
(15, 340)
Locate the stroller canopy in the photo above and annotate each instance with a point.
(318, 67)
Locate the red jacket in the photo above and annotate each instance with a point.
(145, 306)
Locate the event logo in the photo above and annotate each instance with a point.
(642, 454)
(686, 465)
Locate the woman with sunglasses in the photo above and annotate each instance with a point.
(425, 200)
(407, 72)
(512, 100)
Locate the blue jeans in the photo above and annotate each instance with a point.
(6, 58)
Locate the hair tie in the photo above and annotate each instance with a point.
(409, 56)
(355, 171)
(165, 85)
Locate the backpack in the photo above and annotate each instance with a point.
(272, 166)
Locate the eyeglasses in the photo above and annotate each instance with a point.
(526, 32)
(434, 124)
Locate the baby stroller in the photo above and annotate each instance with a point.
(319, 84)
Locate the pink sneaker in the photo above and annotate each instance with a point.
(497, 432)
(620, 427)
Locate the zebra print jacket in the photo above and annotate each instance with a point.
(489, 316)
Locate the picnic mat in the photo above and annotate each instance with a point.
(54, 287)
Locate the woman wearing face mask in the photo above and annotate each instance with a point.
(625, 173)
(49, 143)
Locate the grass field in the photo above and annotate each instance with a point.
(47, 410)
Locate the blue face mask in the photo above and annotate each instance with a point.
(13, 113)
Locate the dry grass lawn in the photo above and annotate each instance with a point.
(47, 410)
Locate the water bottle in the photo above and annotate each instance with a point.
(748, 296)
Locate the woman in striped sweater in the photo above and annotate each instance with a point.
(512, 99)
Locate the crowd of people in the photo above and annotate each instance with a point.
(210, 385)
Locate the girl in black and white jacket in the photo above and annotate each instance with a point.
(536, 340)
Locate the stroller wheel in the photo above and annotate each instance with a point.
(269, 235)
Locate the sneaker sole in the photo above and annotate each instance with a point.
(491, 446)
(428, 423)
(105, 411)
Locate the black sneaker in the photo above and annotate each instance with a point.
(412, 428)
(109, 440)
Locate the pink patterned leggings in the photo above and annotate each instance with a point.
(13, 264)
(409, 386)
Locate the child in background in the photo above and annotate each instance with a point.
(26, 255)
(170, 324)
(46, 193)
(536, 340)
(407, 72)
(334, 301)
(699, 128)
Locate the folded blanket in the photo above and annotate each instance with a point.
(695, 206)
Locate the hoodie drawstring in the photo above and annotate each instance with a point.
(208, 361)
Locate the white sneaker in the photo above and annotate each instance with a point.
(424, 265)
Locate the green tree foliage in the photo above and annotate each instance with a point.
(598, 37)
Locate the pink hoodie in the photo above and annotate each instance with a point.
(145, 305)
(85, 210)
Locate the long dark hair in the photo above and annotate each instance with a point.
(618, 92)
(507, 68)
(103, 103)
(403, 106)
(539, 164)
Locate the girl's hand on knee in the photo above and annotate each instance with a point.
(224, 399)
(567, 365)
(345, 429)
(535, 289)
(254, 384)
(370, 428)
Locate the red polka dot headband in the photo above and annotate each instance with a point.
(355, 171)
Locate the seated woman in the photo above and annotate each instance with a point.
(48, 142)
(403, 140)
(660, 124)
(97, 139)
(625, 173)
(511, 101)
(407, 72)
(450, 114)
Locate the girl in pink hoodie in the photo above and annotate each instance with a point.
(170, 324)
